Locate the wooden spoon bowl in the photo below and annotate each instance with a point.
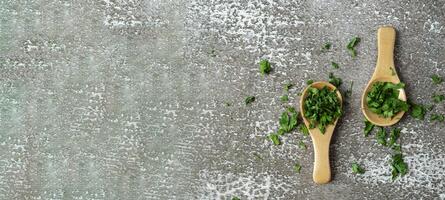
(384, 72)
(321, 142)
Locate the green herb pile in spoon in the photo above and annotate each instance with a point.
(383, 99)
(321, 107)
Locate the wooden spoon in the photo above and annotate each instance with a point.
(322, 169)
(384, 72)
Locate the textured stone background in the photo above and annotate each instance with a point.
(124, 99)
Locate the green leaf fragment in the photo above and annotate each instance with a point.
(396, 147)
(418, 111)
(257, 156)
(437, 117)
(274, 138)
(398, 166)
(436, 79)
(302, 145)
(297, 168)
(249, 100)
(335, 65)
(351, 46)
(326, 46)
(303, 129)
(284, 98)
(236, 198)
(287, 86)
(265, 67)
(288, 120)
(334, 80)
(284, 121)
(381, 136)
(310, 81)
(357, 169)
(393, 136)
(437, 98)
(368, 127)
(348, 92)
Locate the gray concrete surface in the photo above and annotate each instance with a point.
(124, 99)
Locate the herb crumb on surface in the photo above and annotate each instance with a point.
(436, 79)
(437, 117)
(334, 80)
(418, 111)
(357, 169)
(381, 136)
(297, 168)
(351, 46)
(398, 166)
(437, 98)
(368, 127)
(265, 67)
(274, 138)
(302, 145)
(326, 46)
(335, 65)
(249, 99)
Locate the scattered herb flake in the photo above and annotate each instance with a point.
(257, 156)
(393, 136)
(381, 136)
(287, 86)
(288, 120)
(399, 167)
(274, 138)
(335, 65)
(265, 67)
(235, 198)
(284, 121)
(436, 79)
(383, 99)
(356, 169)
(326, 46)
(249, 100)
(429, 107)
(334, 80)
(351, 46)
(302, 145)
(396, 147)
(284, 98)
(437, 117)
(368, 127)
(322, 107)
(303, 129)
(418, 111)
(310, 81)
(227, 104)
(348, 92)
(437, 98)
(281, 131)
(297, 168)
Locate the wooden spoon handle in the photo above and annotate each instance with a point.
(386, 37)
(322, 169)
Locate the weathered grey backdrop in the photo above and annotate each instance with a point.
(125, 99)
